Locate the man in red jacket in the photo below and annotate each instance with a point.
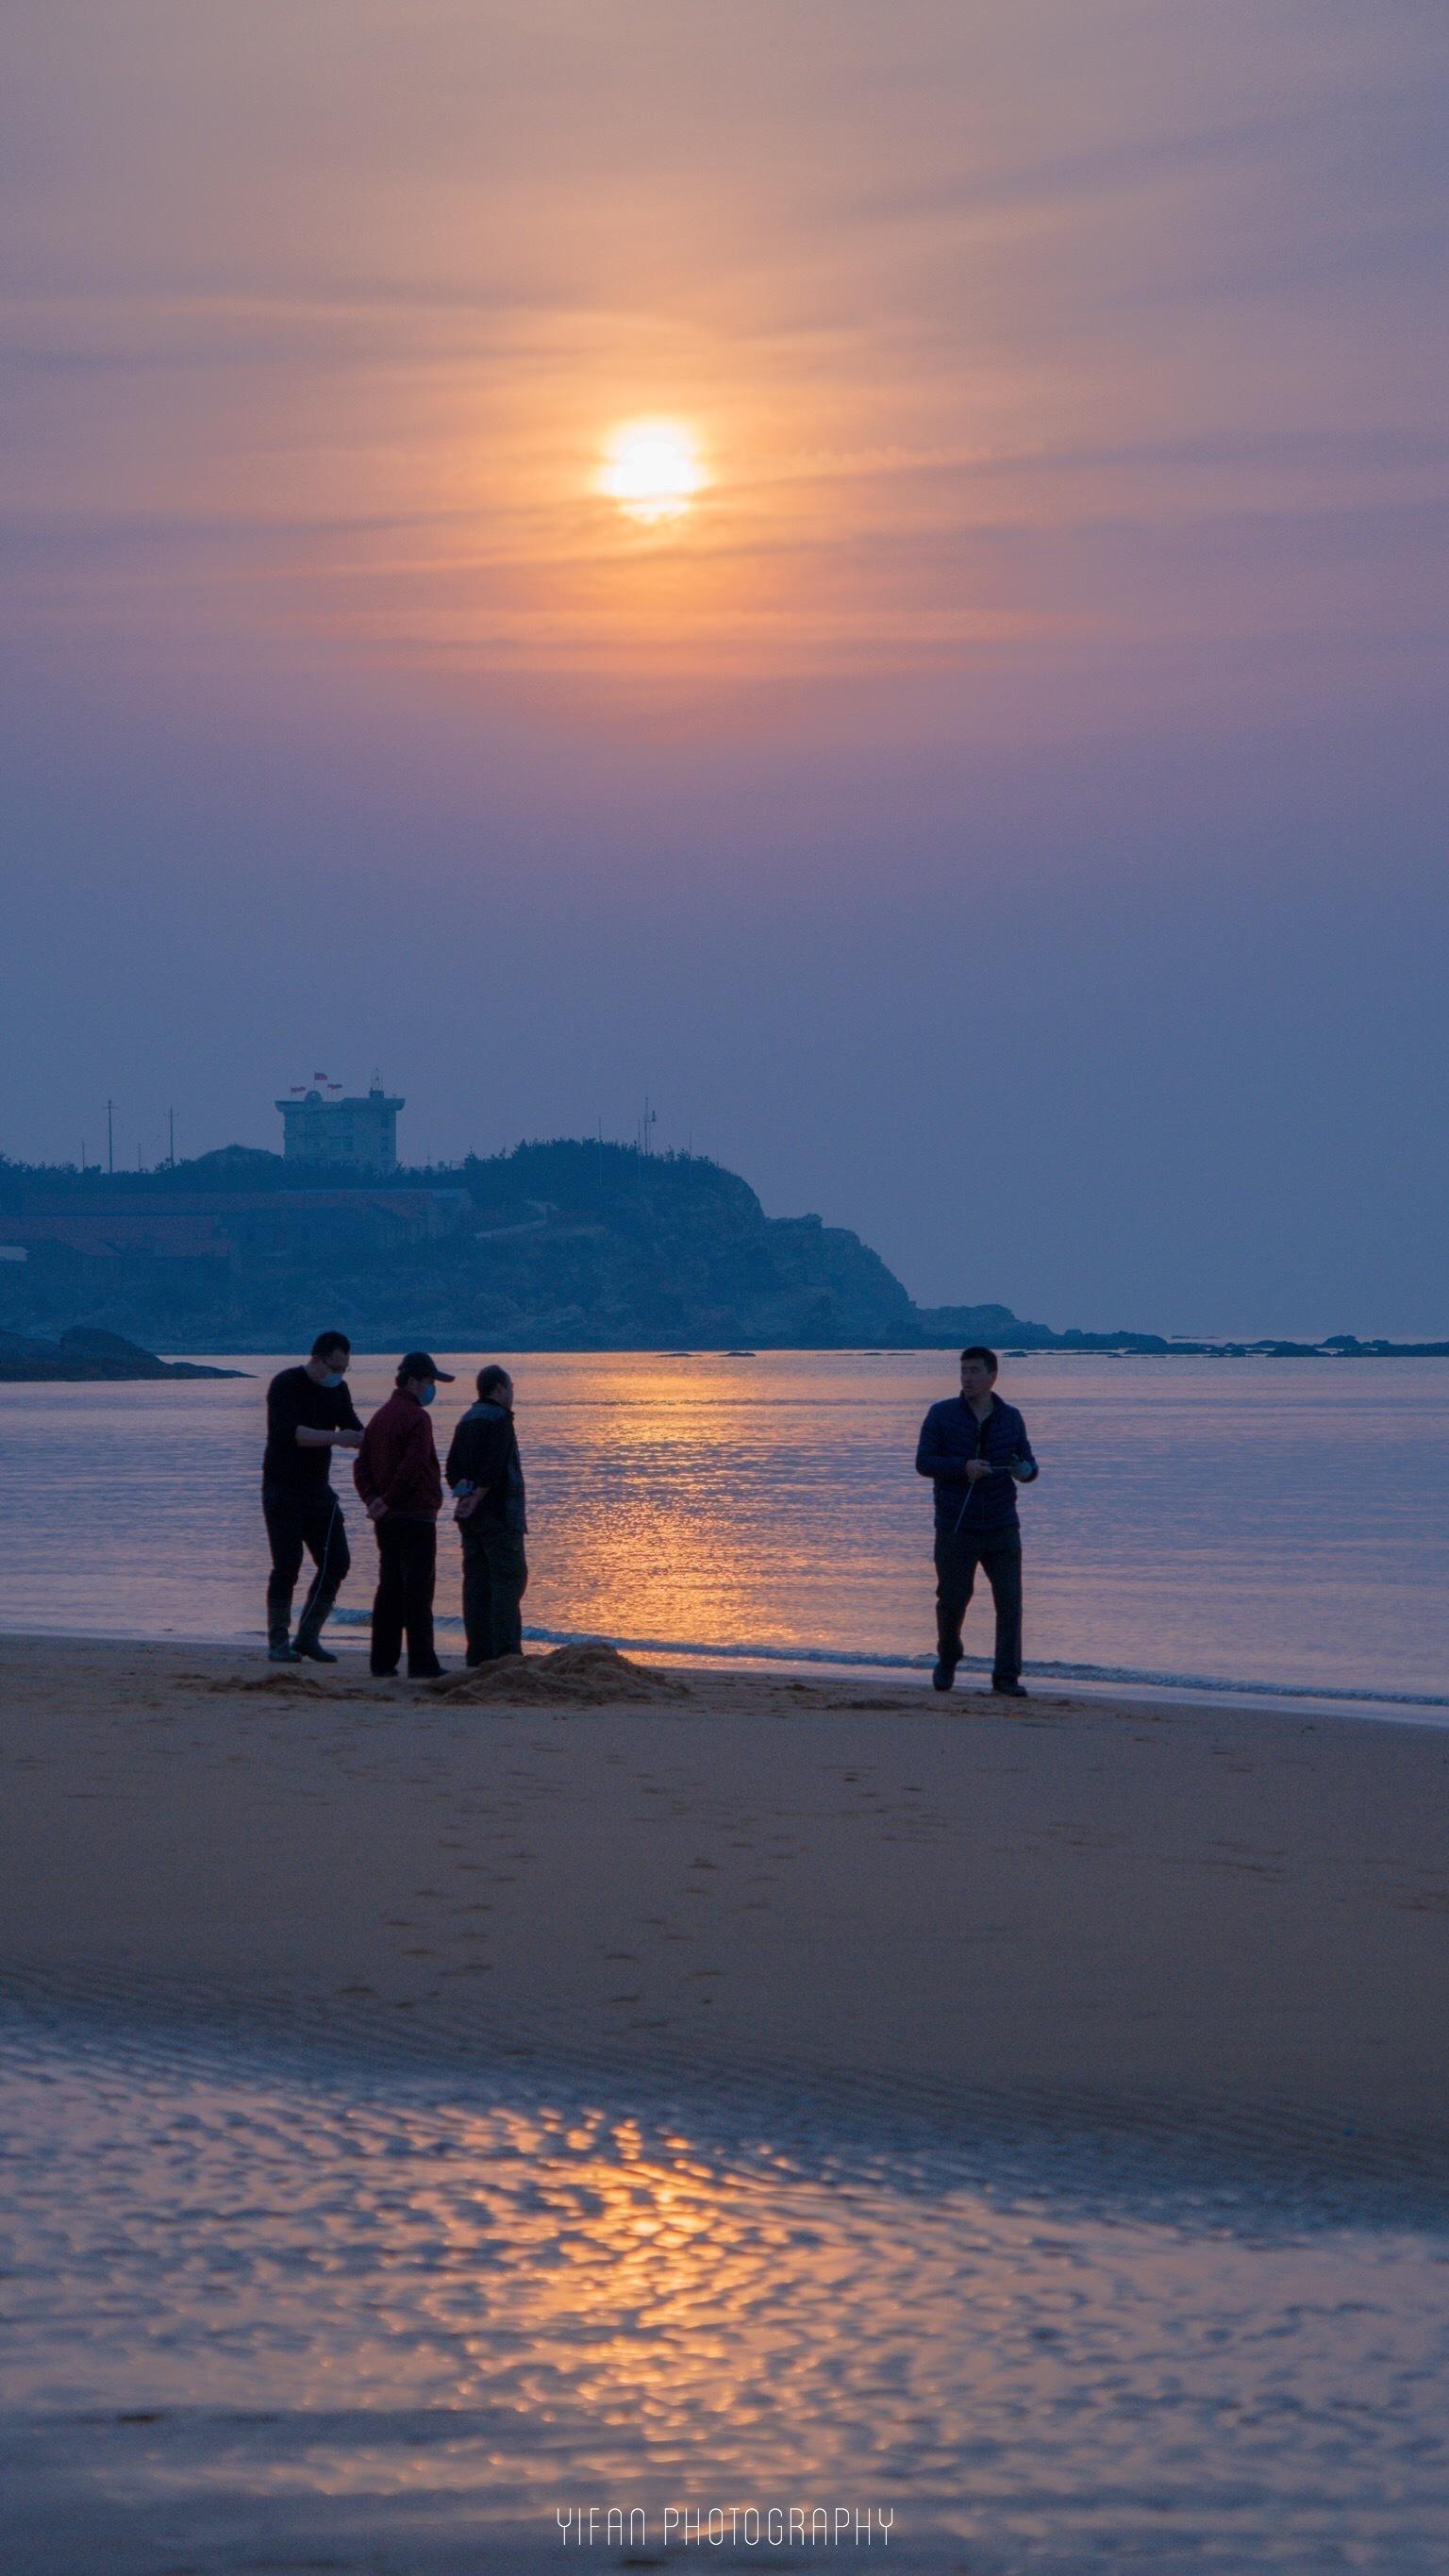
(397, 1476)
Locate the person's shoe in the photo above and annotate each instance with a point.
(314, 1650)
(426, 1672)
(943, 1675)
(283, 1654)
(1011, 1690)
(383, 1672)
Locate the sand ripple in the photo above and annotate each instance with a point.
(256, 2316)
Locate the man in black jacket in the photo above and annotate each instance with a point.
(975, 1450)
(486, 1475)
(309, 1414)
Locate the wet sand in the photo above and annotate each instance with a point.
(1201, 1922)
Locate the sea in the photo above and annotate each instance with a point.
(274, 2305)
(1262, 1527)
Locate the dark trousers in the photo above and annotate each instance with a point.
(298, 1520)
(998, 1553)
(407, 1565)
(495, 1579)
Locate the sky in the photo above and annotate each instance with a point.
(1003, 812)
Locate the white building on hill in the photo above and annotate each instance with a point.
(344, 1135)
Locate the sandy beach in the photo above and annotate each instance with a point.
(1191, 1921)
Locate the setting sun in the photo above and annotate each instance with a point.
(652, 469)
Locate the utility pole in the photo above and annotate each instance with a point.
(171, 1119)
(110, 1142)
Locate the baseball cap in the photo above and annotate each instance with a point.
(422, 1364)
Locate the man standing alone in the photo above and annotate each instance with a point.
(397, 1476)
(975, 1450)
(486, 1474)
(309, 1414)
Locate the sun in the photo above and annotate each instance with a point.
(652, 468)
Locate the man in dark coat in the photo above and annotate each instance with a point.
(976, 1452)
(486, 1474)
(397, 1476)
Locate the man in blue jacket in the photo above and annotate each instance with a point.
(976, 1452)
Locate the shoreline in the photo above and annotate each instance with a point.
(1134, 1919)
(347, 1635)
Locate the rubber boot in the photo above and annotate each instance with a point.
(279, 1625)
(308, 1640)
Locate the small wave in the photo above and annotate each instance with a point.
(1134, 1676)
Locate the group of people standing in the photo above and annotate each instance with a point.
(973, 1448)
(396, 1471)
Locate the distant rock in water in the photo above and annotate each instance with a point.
(83, 1353)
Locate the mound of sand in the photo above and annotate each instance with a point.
(591, 1676)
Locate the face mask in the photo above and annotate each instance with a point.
(427, 1395)
(333, 1378)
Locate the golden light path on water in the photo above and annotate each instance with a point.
(732, 1499)
(336, 2301)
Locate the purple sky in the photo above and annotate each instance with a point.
(1005, 815)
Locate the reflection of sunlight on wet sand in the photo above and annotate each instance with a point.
(660, 2296)
(426, 2301)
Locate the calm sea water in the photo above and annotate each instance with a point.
(1282, 1524)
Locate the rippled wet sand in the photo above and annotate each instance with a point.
(261, 2318)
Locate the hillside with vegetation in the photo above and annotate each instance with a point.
(564, 1245)
(569, 1245)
